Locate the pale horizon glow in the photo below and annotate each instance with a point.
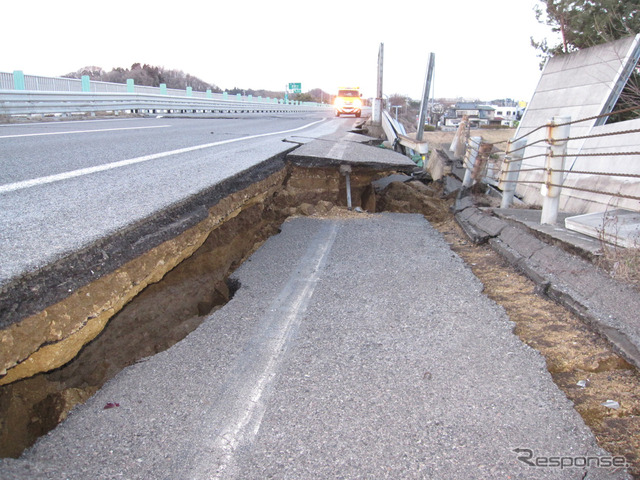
(482, 48)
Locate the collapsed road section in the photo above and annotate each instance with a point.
(141, 290)
(353, 348)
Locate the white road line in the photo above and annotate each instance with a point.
(12, 187)
(67, 122)
(338, 151)
(71, 132)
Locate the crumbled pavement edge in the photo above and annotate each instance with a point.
(607, 305)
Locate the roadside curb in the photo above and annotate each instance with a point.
(609, 306)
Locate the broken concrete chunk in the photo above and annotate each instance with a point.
(611, 404)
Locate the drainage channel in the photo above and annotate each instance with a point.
(168, 305)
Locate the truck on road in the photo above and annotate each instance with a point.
(348, 101)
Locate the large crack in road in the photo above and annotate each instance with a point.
(165, 296)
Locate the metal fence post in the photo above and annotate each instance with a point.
(86, 83)
(557, 136)
(510, 172)
(470, 160)
(18, 80)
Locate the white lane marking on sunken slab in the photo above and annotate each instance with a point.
(245, 394)
(337, 151)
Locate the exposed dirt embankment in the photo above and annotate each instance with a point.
(55, 335)
(64, 354)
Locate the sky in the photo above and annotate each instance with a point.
(482, 47)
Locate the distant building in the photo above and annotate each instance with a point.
(507, 116)
(481, 115)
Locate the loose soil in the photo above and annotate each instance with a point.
(497, 136)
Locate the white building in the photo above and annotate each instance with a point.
(506, 115)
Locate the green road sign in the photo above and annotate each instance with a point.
(295, 87)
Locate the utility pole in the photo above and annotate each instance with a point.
(377, 103)
(425, 96)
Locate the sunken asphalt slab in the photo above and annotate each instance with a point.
(557, 260)
(349, 149)
(354, 348)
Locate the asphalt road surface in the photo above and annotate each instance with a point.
(65, 184)
(354, 348)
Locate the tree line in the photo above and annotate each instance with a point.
(146, 75)
(153, 76)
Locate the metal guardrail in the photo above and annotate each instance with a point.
(16, 102)
(552, 168)
(27, 95)
(396, 135)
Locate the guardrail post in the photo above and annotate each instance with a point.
(208, 93)
(130, 86)
(189, 91)
(480, 166)
(557, 136)
(86, 83)
(18, 80)
(238, 97)
(250, 98)
(511, 170)
(458, 143)
(225, 95)
(470, 160)
(163, 89)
